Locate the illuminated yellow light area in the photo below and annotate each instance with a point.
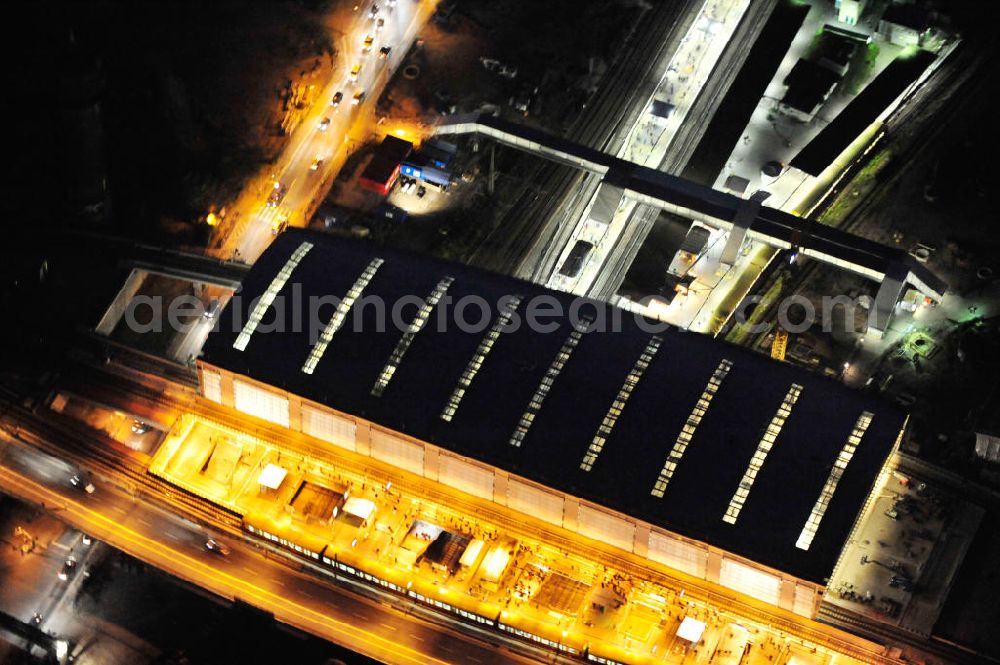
(338, 318)
(270, 294)
(691, 629)
(514, 581)
(495, 563)
(272, 476)
(760, 455)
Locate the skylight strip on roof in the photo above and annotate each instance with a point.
(546, 383)
(687, 431)
(267, 299)
(617, 406)
(760, 455)
(826, 494)
(419, 321)
(479, 357)
(338, 318)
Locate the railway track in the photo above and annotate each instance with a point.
(913, 128)
(78, 444)
(643, 218)
(852, 622)
(109, 387)
(532, 225)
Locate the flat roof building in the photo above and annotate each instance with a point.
(809, 84)
(874, 102)
(382, 170)
(695, 454)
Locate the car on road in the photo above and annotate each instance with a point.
(316, 163)
(358, 96)
(80, 483)
(337, 98)
(355, 71)
(279, 225)
(383, 52)
(379, 24)
(278, 192)
(139, 427)
(68, 569)
(324, 124)
(217, 547)
(369, 40)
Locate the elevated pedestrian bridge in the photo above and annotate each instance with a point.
(891, 267)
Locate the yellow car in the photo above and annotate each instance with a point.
(355, 71)
(369, 40)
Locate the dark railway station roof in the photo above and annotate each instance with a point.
(595, 414)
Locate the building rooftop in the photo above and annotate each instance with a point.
(386, 160)
(861, 112)
(617, 405)
(808, 83)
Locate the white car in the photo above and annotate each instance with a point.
(68, 569)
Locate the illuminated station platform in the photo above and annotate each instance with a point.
(694, 454)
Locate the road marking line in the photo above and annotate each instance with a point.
(190, 566)
(386, 625)
(416, 637)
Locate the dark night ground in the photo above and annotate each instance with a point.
(189, 104)
(162, 612)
